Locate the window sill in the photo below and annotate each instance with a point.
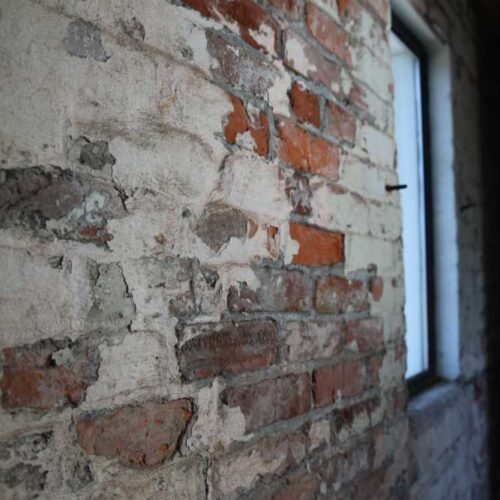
(429, 405)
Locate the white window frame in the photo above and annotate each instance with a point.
(444, 207)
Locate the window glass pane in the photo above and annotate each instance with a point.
(408, 131)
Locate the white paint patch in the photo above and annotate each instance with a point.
(278, 93)
(38, 301)
(265, 37)
(319, 434)
(216, 425)
(126, 367)
(255, 187)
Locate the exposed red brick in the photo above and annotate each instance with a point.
(302, 488)
(95, 233)
(341, 123)
(339, 295)
(328, 33)
(307, 340)
(313, 65)
(238, 123)
(305, 104)
(249, 16)
(280, 290)
(143, 436)
(33, 378)
(291, 7)
(306, 152)
(344, 379)
(366, 334)
(316, 246)
(342, 6)
(217, 348)
(373, 369)
(271, 400)
(376, 287)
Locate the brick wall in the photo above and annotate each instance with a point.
(201, 281)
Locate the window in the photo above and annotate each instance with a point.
(409, 60)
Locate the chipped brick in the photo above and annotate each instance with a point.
(285, 291)
(307, 153)
(238, 123)
(305, 104)
(48, 374)
(140, 436)
(269, 401)
(227, 348)
(317, 247)
(339, 295)
(249, 16)
(342, 380)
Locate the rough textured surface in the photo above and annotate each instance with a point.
(139, 437)
(201, 279)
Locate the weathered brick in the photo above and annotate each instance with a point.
(343, 6)
(55, 202)
(302, 488)
(140, 436)
(374, 364)
(306, 60)
(240, 123)
(51, 193)
(268, 458)
(285, 291)
(48, 374)
(339, 295)
(271, 400)
(365, 334)
(316, 246)
(328, 33)
(305, 104)
(344, 468)
(227, 348)
(240, 68)
(291, 7)
(306, 152)
(341, 123)
(356, 419)
(252, 20)
(305, 340)
(333, 382)
(299, 193)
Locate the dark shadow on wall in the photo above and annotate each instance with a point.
(489, 83)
